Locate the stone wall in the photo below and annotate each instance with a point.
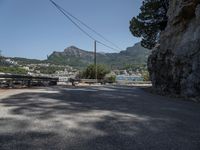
(174, 65)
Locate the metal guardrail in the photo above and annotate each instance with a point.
(10, 80)
(26, 77)
(88, 80)
(134, 82)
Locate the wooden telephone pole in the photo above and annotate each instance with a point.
(95, 58)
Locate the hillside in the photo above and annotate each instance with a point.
(76, 57)
(23, 61)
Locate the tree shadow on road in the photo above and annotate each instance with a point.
(98, 118)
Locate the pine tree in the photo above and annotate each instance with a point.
(150, 22)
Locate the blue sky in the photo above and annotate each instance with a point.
(34, 28)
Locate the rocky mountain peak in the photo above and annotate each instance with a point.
(77, 57)
(71, 49)
(74, 51)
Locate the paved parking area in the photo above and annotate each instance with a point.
(96, 118)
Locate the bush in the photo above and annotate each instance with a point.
(110, 79)
(90, 72)
(145, 75)
(13, 70)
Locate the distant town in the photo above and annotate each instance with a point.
(64, 72)
(74, 64)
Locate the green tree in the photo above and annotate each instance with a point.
(150, 22)
(90, 72)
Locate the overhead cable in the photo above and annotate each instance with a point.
(68, 16)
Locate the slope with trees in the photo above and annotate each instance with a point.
(79, 58)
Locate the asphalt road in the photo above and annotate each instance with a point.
(96, 118)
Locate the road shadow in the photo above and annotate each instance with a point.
(107, 118)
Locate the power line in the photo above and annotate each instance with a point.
(90, 28)
(60, 9)
(106, 45)
(81, 29)
(91, 37)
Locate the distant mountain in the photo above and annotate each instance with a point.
(79, 58)
(76, 57)
(72, 56)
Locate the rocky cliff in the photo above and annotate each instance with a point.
(175, 64)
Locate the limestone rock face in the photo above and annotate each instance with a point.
(174, 65)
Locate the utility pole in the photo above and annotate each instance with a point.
(95, 58)
(1, 56)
